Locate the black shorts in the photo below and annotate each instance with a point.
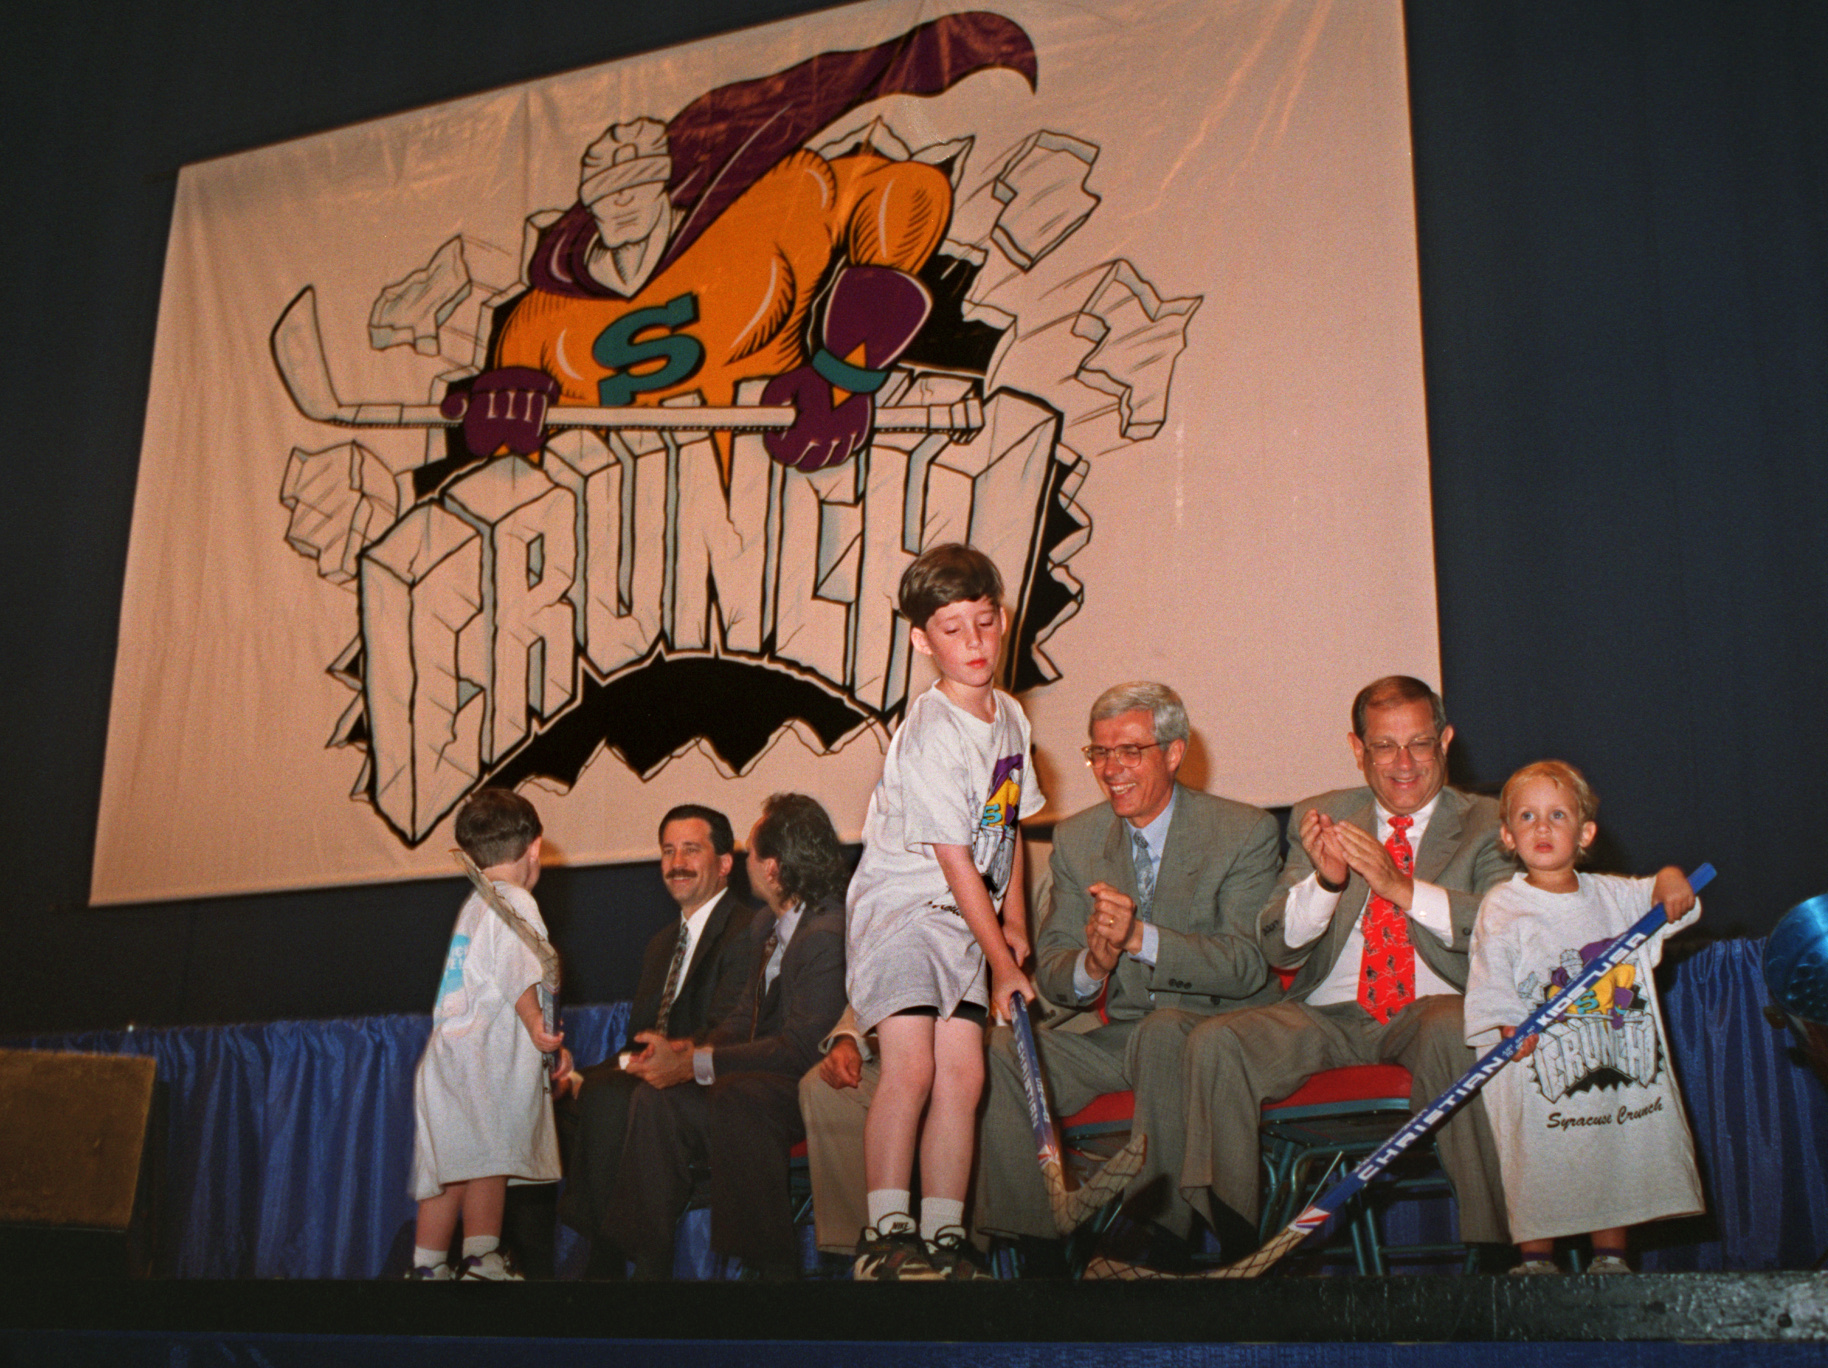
(965, 1011)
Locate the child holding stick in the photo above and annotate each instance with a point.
(481, 1114)
(1590, 1130)
(942, 862)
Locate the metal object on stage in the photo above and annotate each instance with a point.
(71, 1131)
(1796, 976)
(1796, 960)
(80, 1171)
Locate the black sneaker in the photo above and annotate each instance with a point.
(956, 1258)
(898, 1256)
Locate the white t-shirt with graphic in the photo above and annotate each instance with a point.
(1590, 1128)
(949, 778)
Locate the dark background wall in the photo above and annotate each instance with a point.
(1624, 254)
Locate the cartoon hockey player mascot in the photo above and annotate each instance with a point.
(699, 249)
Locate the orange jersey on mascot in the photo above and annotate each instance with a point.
(733, 305)
(753, 229)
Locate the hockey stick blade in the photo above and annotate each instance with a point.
(1071, 1208)
(1319, 1212)
(298, 352)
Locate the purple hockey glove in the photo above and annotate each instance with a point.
(872, 314)
(505, 407)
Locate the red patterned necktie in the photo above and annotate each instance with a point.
(1386, 973)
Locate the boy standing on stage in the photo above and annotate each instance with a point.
(942, 858)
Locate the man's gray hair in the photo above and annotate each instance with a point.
(1167, 713)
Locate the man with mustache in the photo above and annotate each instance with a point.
(692, 973)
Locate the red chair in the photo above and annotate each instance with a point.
(1329, 1123)
(1319, 1131)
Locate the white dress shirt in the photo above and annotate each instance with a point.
(1310, 908)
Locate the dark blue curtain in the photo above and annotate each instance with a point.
(289, 1145)
(1760, 1118)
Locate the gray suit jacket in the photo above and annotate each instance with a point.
(1217, 868)
(780, 1030)
(1460, 853)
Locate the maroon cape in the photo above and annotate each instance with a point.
(726, 140)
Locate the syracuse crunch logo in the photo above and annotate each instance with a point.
(676, 468)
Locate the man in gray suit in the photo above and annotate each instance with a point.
(1374, 913)
(1150, 924)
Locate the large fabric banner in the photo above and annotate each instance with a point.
(575, 436)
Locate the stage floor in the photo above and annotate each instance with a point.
(801, 1323)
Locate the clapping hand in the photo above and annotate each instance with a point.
(1320, 840)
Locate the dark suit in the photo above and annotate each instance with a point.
(1237, 1062)
(592, 1126)
(746, 1121)
(1218, 865)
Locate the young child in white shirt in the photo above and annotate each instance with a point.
(1587, 1118)
(481, 1112)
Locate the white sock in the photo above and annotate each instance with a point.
(427, 1258)
(475, 1246)
(889, 1209)
(936, 1213)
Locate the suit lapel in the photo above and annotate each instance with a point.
(1443, 836)
(1179, 871)
(1119, 867)
(704, 953)
(1358, 892)
(766, 924)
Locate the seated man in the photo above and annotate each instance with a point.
(835, 1097)
(1375, 912)
(1153, 906)
(692, 973)
(733, 1101)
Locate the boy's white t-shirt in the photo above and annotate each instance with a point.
(1590, 1129)
(480, 1106)
(950, 778)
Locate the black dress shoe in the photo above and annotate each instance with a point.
(1147, 1245)
(1237, 1237)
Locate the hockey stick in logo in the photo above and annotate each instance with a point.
(298, 351)
(1071, 1209)
(1430, 1116)
(541, 947)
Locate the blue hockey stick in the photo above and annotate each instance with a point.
(1071, 1208)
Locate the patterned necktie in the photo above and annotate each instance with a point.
(673, 974)
(1145, 873)
(1386, 974)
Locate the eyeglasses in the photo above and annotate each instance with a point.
(1126, 755)
(1384, 753)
